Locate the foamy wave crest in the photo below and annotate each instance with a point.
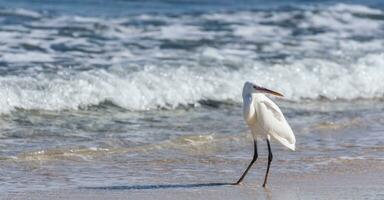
(155, 87)
(150, 61)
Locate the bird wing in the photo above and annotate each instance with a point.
(273, 122)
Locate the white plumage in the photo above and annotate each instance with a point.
(265, 119)
(268, 120)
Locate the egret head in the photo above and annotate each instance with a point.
(250, 88)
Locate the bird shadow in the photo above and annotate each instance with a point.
(156, 186)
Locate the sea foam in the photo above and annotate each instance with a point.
(154, 87)
(151, 61)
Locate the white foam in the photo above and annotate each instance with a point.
(26, 57)
(342, 22)
(141, 74)
(183, 32)
(355, 9)
(168, 88)
(212, 53)
(21, 12)
(258, 32)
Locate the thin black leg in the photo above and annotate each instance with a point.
(270, 157)
(250, 164)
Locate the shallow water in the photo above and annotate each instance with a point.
(154, 97)
(50, 150)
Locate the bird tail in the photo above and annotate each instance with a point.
(285, 142)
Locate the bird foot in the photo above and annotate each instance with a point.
(237, 183)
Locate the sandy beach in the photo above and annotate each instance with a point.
(347, 181)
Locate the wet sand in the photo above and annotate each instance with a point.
(357, 180)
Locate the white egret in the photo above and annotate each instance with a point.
(265, 119)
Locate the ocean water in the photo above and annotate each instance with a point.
(132, 93)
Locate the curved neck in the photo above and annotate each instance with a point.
(248, 109)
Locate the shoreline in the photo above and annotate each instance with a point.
(366, 182)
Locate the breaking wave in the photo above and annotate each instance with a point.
(151, 61)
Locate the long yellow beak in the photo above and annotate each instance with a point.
(268, 91)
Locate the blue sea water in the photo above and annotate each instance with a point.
(116, 92)
(128, 7)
